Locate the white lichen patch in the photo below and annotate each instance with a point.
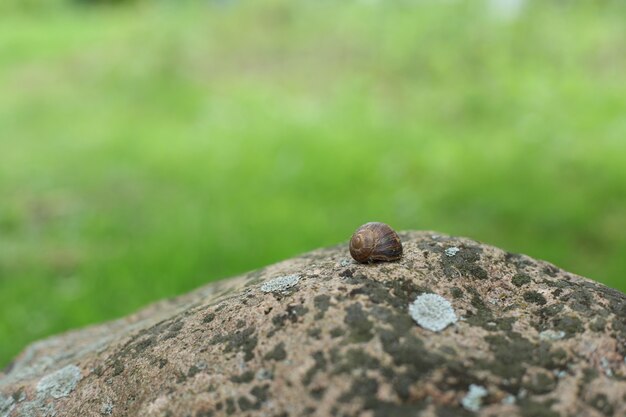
(280, 284)
(604, 363)
(552, 335)
(6, 405)
(522, 394)
(37, 408)
(432, 312)
(345, 262)
(509, 400)
(559, 374)
(452, 251)
(263, 374)
(107, 407)
(474, 398)
(60, 383)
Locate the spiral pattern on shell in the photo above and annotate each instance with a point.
(374, 242)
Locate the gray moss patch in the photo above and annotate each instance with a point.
(569, 324)
(601, 403)
(534, 297)
(278, 353)
(241, 340)
(321, 302)
(60, 383)
(360, 326)
(463, 263)
(520, 280)
(540, 383)
(245, 377)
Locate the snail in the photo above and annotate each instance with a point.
(375, 242)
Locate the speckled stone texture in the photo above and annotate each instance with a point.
(532, 341)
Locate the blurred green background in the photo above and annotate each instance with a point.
(149, 148)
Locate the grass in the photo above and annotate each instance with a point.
(145, 151)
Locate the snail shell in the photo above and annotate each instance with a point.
(375, 242)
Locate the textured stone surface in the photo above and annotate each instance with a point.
(531, 341)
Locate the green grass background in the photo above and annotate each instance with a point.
(147, 150)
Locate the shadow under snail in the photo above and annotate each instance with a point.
(374, 242)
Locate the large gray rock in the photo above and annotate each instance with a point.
(335, 338)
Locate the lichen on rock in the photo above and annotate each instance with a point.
(552, 335)
(60, 383)
(432, 312)
(280, 284)
(531, 339)
(452, 251)
(6, 405)
(474, 398)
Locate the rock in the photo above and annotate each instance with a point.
(329, 337)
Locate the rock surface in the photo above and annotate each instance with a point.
(335, 338)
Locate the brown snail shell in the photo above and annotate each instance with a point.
(375, 242)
